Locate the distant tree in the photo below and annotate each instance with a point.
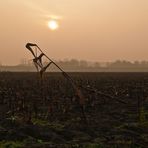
(97, 65)
(121, 64)
(74, 62)
(136, 64)
(83, 63)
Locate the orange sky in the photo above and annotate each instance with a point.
(93, 30)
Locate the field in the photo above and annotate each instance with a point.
(47, 112)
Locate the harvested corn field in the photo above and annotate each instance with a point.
(48, 113)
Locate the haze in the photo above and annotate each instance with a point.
(93, 30)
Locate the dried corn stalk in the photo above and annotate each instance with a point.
(38, 62)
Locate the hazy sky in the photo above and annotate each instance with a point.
(94, 30)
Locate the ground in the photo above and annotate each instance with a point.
(47, 113)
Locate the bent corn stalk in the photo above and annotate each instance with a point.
(37, 60)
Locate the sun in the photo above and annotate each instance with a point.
(53, 25)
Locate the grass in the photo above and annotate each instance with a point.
(11, 144)
(53, 125)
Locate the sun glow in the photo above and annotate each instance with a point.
(53, 25)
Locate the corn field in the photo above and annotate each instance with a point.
(115, 108)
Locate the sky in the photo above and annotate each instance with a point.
(93, 30)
